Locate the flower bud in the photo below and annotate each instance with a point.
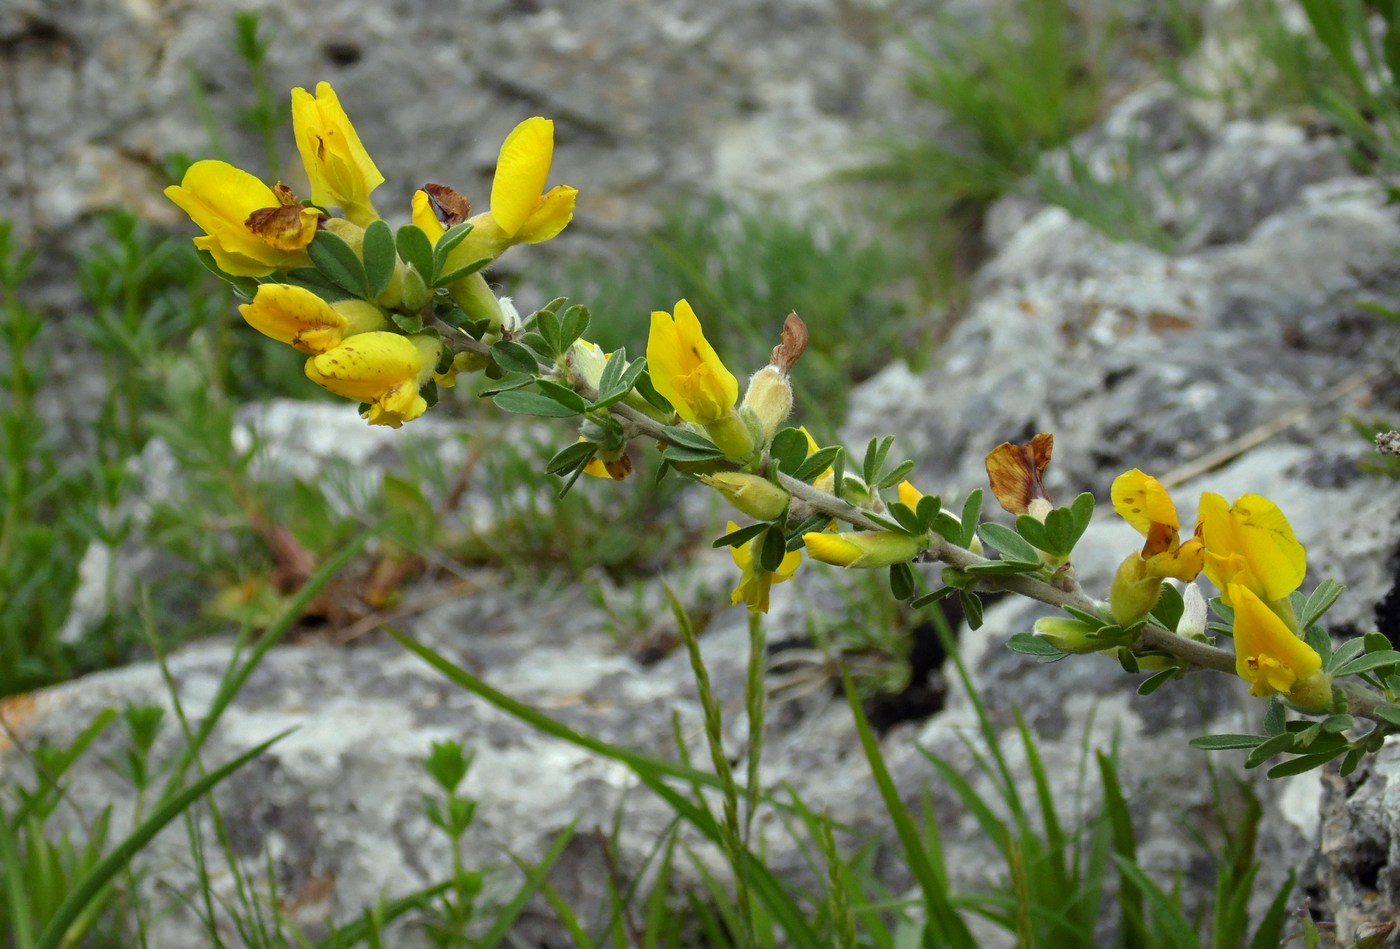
(768, 400)
(1069, 635)
(862, 549)
(1134, 591)
(754, 495)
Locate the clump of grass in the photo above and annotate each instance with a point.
(1025, 84)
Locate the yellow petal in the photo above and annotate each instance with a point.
(296, 316)
(1255, 531)
(521, 172)
(552, 215)
(220, 198)
(426, 218)
(686, 370)
(1267, 653)
(341, 172)
(831, 548)
(1141, 500)
(909, 495)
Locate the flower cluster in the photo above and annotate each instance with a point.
(361, 302)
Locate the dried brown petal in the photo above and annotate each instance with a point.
(449, 204)
(1015, 472)
(289, 227)
(794, 344)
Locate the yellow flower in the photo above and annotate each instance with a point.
(1271, 658)
(686, 370)
(342, 173)
(520, 207)
(755, 582)
(381, 368)
(298, 317)
(248, 228)
(862, 549)
(1250, 544)
(1142, 501)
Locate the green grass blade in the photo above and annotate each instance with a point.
(942, 918)
(92, 882)
(534, 878)
(21, 925)
(1172, 928)
(1120, 819)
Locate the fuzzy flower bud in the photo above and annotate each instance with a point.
(862, 549)
(1068, 635)
(768, 401)
(755, 496)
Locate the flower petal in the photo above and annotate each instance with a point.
(521, 172)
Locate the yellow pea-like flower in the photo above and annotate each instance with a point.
(1250, 544)
(299, 318)
(226, 203)
(755, 583)
(1271, 658)
(686, 370)
(1141, 500)
(520, 207)
(341, 172)
(381, 368)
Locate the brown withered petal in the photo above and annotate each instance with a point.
(794, 344)
(1015, 472)
(285, 228)
(285, 197)
(449, 204)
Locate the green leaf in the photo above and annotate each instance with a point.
(1035, 533)
(789, 450)
(971, 511)
(1346, 652)
(309, 278)
(1371, 660)
(1305, 763)
(1319, 602)
(773, 549)
(380, 256)
(928, 509)
(1169, 607)
(685, 445)
(416, 249)
(1000, 568)
(547, 325)
(972, 608)
(1376, 641)
(1226, 742)
(445, 245)
(1154, 682)
(457, 273)
(575, 456)
(940, 594)
(907, 518)
(1389, 713)
(515, 357)
(1082, 508)
(612, 371)
(1278, 744)
(338, 263)
(1012, 546)
(817, 462)
(1031, 645)
(895, 475)
(564, 396)
(531, 403)
(573, 324)
(1275, 718)
(875, 454)
(743, 535)
(901, 581)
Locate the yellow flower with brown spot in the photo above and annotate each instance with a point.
(755, 582)
(341, 172)
(1141, 500)
(249, 229)
(1271, 658)
(381, 368)
(299, 318)
(1250, 544)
